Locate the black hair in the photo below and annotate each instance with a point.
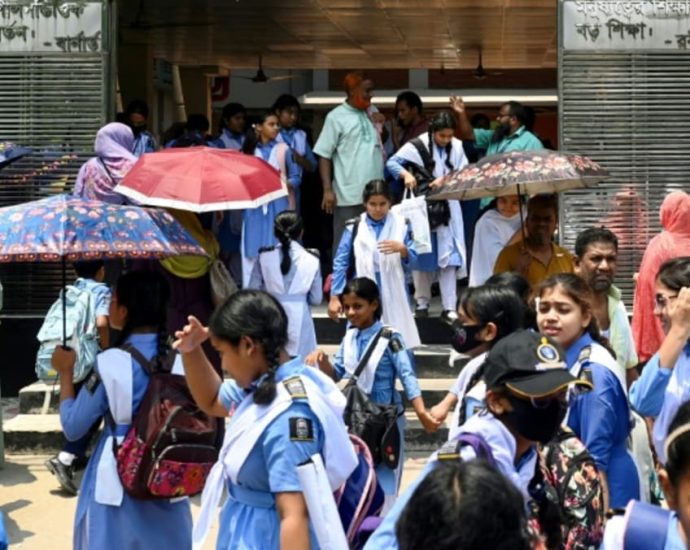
(145, 294)
(530, 117)
(259, 316)
(285, 101)
(442, 121)
(581, 293)
(593, 235)
(544, 200)
(675, 273)
(196, 122)
(366, 289)
(188, 140)
(464, 505)
(88, 269)
(138, 106)
(517, 110)
(377, 187)
(517, 283)
(678, 452)
(412, 100)
(288, 226)
(496, 304)
(251, 139)
(173, 132)
(229, 111)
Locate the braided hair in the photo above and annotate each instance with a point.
(260, 317)
(442, 121)
(145, 294)
(288, 226)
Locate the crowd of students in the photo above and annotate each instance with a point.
(552, 357)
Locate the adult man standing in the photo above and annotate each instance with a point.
(596, 256)
(537, 257)
(410, 120)
(510, 135)
(350, 153)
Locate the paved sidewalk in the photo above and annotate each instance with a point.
(39, 516)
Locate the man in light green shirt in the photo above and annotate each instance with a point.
(350, 153)
(596, 257)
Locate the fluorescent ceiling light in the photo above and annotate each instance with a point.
(386, 98)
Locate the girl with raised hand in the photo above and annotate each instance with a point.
(293, 275)
(107, 517)
(283, 413)
(257, 225)
(600, 418)
(388, 361)
(448, 257)
(377, 245)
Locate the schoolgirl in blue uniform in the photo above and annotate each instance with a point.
(106, 517)
(257, 224)
(600, 418)
(526, 379)
(647, 527)
(388, 362)
(665, 381)
(378, 245)
(293, 275)
(282, 413)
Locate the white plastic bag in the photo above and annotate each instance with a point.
(413, 209)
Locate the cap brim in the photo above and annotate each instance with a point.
(546, 383)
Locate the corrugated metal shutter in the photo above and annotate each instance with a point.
(54, 104)
(630, 111)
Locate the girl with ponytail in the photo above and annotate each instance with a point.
(601, 417)
(439, 153)
(292, 275)
(106, 517)
(282, 414)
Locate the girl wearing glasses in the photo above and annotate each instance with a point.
(665, 381)
(600, 418)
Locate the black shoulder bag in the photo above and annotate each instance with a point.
(438, 211)
(373, 423)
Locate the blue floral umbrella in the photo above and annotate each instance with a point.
(9, 152)
(64, 227)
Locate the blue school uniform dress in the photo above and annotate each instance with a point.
(503, 448)
(660, 392)
(601, 419)
(144, 143)
(249, 519)
(296, 140)
(615, 533)
(394, 363)
(135, 523)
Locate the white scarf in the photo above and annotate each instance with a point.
(351, 359)
(250, 420)
(368, 260)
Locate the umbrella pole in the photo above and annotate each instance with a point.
(64, 302)
(522, 220)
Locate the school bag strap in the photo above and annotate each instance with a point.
(450, 451)
(107, 170)
(424, 153)
(365, 358)
(646, 526)
(354, 227)
(158, 363)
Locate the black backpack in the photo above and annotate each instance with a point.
(438, 211)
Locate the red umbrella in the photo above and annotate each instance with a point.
(202, 179)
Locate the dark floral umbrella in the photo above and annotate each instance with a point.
(64, 227)
(518, 172)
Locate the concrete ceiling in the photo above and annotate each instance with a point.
(367, 34)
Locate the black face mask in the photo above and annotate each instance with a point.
(536, 424)
(465, 337)
(136, 130)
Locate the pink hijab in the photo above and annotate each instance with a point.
(672, 242)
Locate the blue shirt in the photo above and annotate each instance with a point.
(294, 172)
(144, 143)
(228, 140)
(296, 140)
(392, 365)
(341, 262)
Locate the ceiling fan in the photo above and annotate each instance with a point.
(142, 22)
(480, 73)
(261, 77)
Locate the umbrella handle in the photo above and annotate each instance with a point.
(522, 220)
(64, 302)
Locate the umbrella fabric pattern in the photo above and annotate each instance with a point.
(530, 172)
(64, 227)
(202, 179)
(9, 152)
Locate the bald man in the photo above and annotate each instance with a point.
(350, 152)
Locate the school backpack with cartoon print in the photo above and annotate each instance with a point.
(570, 469)
(171, 445)
(81, 332)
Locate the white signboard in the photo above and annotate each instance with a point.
(626, 25)
(50, 26)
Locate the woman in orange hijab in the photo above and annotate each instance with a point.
(672, 242)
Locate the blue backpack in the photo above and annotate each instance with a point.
(82, 334)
